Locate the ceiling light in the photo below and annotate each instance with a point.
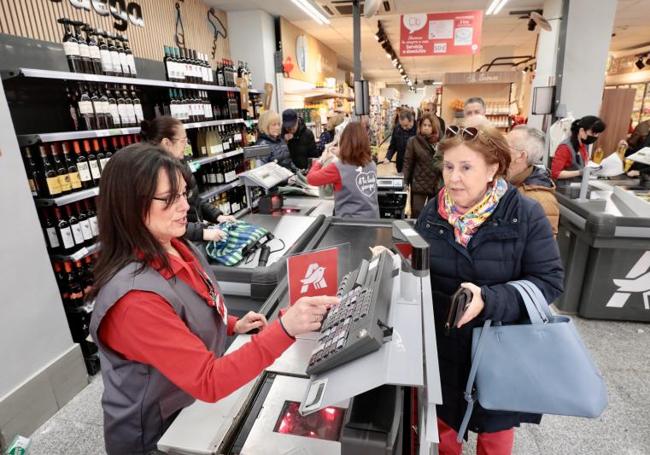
(311, 11)
(498, 9)
(639, 63)
(495, 7)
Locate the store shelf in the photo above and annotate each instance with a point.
(79, 254)
(30, 139)
(209, 159)
(497, 115)
(327, 96)
(65, 75)
(220, 189)
(67, 199)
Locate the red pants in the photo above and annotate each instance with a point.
(499, 443)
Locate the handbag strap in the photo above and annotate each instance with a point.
(538, 312)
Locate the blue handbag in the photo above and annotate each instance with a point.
(541, 367)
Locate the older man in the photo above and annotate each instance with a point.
(527, 150)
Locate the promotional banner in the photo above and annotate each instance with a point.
(454, 33)
(313, 273)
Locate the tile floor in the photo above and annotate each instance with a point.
(621, 350)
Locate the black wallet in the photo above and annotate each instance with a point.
(459, 303)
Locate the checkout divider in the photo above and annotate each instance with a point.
(364, 413)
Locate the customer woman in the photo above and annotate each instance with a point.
(169, 134)
(422, 165)
(354, 174)
(270, 128)
(327, 136)
(482, 233)
(571, 155)
(160, 321)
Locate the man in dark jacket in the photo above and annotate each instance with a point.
(515, 243)
(299, 138)
(402, 132)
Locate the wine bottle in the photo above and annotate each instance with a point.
(61, 169)
(71, 163)
(130, 109)
(77, 234)
(92, 218)
(84, 222)
(31, 169)
(124, 64)
(130, 60)
(49, 226)
(93, 47)
(70, 46)
(75, 293)
(64, 231)
(122, 109)
(83, 167)
(105, 54)
(86, 110)
(113, 108)
(84, 50)
(137, 106)
(99, 153)
(115, 55)
(103, 161)
(100, 117)
(95, 170)
(221, 75)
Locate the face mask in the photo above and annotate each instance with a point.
(589, 139)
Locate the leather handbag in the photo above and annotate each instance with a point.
(541, 367)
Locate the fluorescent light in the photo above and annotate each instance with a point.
(498, 9)
(311, 11)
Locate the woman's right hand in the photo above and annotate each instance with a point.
(213, 235)
(306, 315)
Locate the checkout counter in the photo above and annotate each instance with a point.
(381, 403)
(604, 241)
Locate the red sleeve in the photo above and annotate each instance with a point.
(560, 161)
(133, 328)
(232, 320)
(319, 175)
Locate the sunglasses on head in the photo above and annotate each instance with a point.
(466, 133)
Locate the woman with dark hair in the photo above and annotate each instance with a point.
(572, 156)
(354, 174)
(169, 134)
(160, 321)
(482, 233)
(422, 165)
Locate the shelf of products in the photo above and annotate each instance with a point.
(220, 189)
(79, 254)
(67, 199)
(68, 76)
(195, 164)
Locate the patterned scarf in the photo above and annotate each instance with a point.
(466, 224)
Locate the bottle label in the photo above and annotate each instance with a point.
(124, 113)
(231, 176)
(68, 239)
(64, 181)
(52, 238)
(238, 137)
(131, 113)
(75, 180)
(84, 172)
(170, 70)
(83, 50)
(207, 110)
(139, 115)
(94, 170)
(115, 61)
(94, 53)
(131, 62)
(124, 63)
(32, 187)
(77, 234)
(226, 146)
(107, 63)
(86, 230)
(94, 226)
(53, 185)
(71, 49)
(114, 113)
(212, 178)
(173, 110)
(220, 178)
(216, 149)
(86, 108)
(103, 162)
(97, 106)
(105, 107)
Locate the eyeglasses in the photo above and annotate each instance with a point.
(172, 200)
(467, 134)
(182, 139)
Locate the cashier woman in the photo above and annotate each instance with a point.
(160, 320)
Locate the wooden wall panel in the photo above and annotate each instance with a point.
(615, 111)
(37, 19)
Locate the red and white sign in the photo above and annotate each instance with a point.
(313, 273)
(455, 33)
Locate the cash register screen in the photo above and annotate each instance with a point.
(324, 424)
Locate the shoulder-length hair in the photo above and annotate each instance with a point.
(126, 192)
(354, 147)
(266, 119)
(489, 142)
(435, 124)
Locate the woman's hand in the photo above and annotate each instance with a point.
(213, 234)
(226, 219)
(306, 315)
(475, 306)
(250, 321)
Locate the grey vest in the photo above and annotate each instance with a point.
(358, 195)
(577, 163)
(139, 402)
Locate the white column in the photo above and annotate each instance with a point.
(251, 36)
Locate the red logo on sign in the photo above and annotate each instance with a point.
(313, 273)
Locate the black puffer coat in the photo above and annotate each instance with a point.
(279, 150)
(422, 166)
(515, 243)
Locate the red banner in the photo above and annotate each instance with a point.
(313, 273)
(455, 33)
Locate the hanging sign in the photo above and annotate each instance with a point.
(122, 12)
(454, 33)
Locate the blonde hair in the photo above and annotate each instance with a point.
(266, 119)
(333, 122)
